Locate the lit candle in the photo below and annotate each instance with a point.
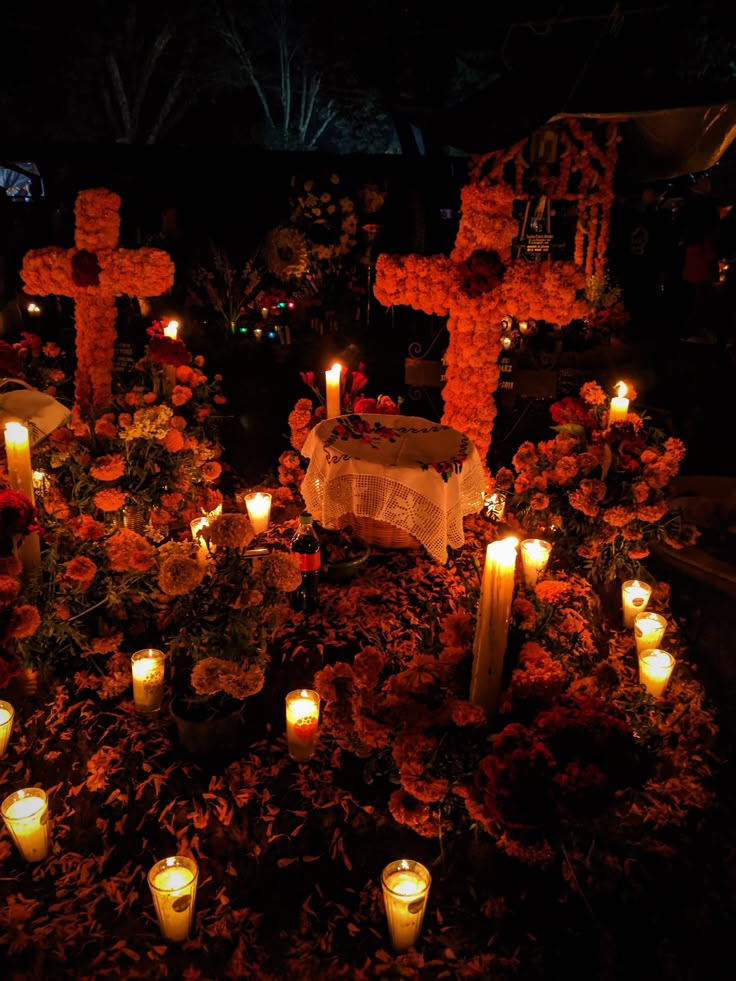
(405, 890)
(634, 598)
(534, 559)
(147, 667)
(20, 478)
(655, 668)
(259, 510)
(302, 723)
(649, 629)
(172, 330)
(26, 816)
(7, 713)
(173, 884)
(332, 380)
(492, 625)
(39, 483)
(619, 404)
(198, 526)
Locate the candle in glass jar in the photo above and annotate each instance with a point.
(173, 884)
(649, 629)
(405, 889)
(198, 526)
(655, 668)
(259, 511)
(534, 559)
(634, 598)
(619, 407)
(7, 714)
(147, 667)
(26, 816)
(302, 723)
(332, 381)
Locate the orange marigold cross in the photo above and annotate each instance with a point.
(94, 272)
(458, 286)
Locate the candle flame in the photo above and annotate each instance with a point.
(621, 389)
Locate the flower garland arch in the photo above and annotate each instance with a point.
(480, 282)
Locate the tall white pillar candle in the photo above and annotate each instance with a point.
(492, 625)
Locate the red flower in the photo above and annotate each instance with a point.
(17, 514)
(168, 350)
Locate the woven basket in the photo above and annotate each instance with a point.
(380, 534)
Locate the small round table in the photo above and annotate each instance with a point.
(408, 472)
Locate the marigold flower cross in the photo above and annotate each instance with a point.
(93, 273)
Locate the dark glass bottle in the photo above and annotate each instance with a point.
(306, 549)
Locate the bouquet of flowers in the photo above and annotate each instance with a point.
(599, 489)
(221, 611)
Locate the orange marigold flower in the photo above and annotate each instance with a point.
(592, 393)
(231, 531)
(281, 570)
(179, 575)
(127, 551)
(565, 469)
(173, 441)
(199, 361)
(105, 426)
(149, 398)
(639, 552)
(9, 589)
(211, 470)
(51, 350)
(219, 400)
(526, 456)
(640, 491)
(10, 565)
(178, 422)
(652, 512)
(456, 629)
(411, 812)
(108, 468)
(86, 527)
(110, 499)
(468, 714)
(202, 413)
(213, 675)
(618, 516)
(181, 395)
(211, 500)
(539, 502)
(133, 399)
(368, 664)
(583, 502)
(171, 501)
(81, 570)
(552, 591)
(125, 420)
(184, 375)
(24, 621)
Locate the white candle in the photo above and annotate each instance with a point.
(20, 478)
(302, 723)
(534, 559)
(492, 625)
(198, 526)
(259, 511)
(26, 816)
(649, 629)
(173, 884)
(619, 404)
(634, 598)
(147, 667)
(405, 890)
(332, 381)
(655, 668)
(172, 330)
(7, 713)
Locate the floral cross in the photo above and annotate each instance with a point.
(94, 272)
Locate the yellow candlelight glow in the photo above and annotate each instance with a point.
(302, 723)
(147, 668)
(534, 558)
(259, 511)
(619, 408)
(405, 889)
(655, 668)
(332, 381)
(649, 629)
(172, 330)
(7, 714)
(173, 884)
(634, 598)
(20, 478)
(198, 526)
(26, 816)
(492, 625)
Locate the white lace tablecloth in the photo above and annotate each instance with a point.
(416, 475)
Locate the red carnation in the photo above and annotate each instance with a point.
(168, 350)
(17, 514)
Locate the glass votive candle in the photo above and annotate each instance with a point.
(259, 510)
(634, 598)
(7, 714)
(173, 884)
(534, 559)
(147, 667)
(302, 723)
(649, 629)
(655, 668)
(405, 890)
(198, 526)
(26, 816)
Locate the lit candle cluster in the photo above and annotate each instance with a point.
(635, 596)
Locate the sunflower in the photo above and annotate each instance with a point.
(285, 253)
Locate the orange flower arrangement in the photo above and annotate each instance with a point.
(108, 468)
(110, 499)
(129, 552)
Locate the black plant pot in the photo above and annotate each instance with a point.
(209, 729)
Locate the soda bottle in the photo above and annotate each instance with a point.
(306, 549)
